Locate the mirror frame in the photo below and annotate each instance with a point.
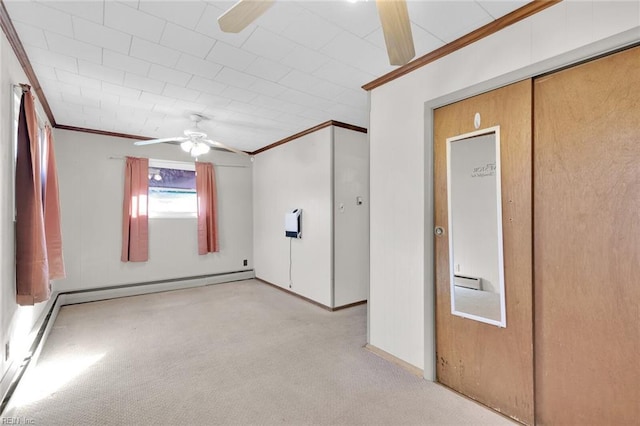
(503, 309)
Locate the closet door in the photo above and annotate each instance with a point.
(587, 242)
(489, 363)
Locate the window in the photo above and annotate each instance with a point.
(172, 189)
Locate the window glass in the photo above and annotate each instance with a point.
(172, 189)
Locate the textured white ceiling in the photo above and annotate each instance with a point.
(141, 67)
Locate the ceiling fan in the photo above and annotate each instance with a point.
(393, 14)
(194, 141)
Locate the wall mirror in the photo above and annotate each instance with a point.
(476, 269)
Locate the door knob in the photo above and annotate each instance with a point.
(439, 231)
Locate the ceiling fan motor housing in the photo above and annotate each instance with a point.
(195, 133)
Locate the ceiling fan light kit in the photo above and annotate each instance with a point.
(195, 140)
(195, 148)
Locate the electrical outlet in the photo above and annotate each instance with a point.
(7, 347)
(245, 262)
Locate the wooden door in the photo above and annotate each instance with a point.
(587, 242)
(490, 364)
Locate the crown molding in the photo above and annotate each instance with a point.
(308, 131)
(491, 28)
(15, 43)
(348, 126)
(101, 132)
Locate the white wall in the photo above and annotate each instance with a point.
(296, 174)
(91, 193)
(351, 222)
(15, 322)
(401, 164)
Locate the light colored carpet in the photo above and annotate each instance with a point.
(236, 353)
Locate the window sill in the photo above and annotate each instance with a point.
(174, 216)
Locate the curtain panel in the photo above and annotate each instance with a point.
(51, 200)
(32, 268)
(207, 208)
(135, 219)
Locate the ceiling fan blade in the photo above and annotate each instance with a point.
(243, 13)
(396, 27)
(152, 141)
(228, 148)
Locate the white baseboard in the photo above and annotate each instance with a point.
(395, 360)
(45, 323)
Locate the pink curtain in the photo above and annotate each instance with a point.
(135, 221)
(32, 269)
(53, 233)
(207, 208)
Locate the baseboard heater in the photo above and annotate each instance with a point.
(474, 283)
(136, 289)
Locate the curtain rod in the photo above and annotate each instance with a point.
(173, 161)
(19, 88)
